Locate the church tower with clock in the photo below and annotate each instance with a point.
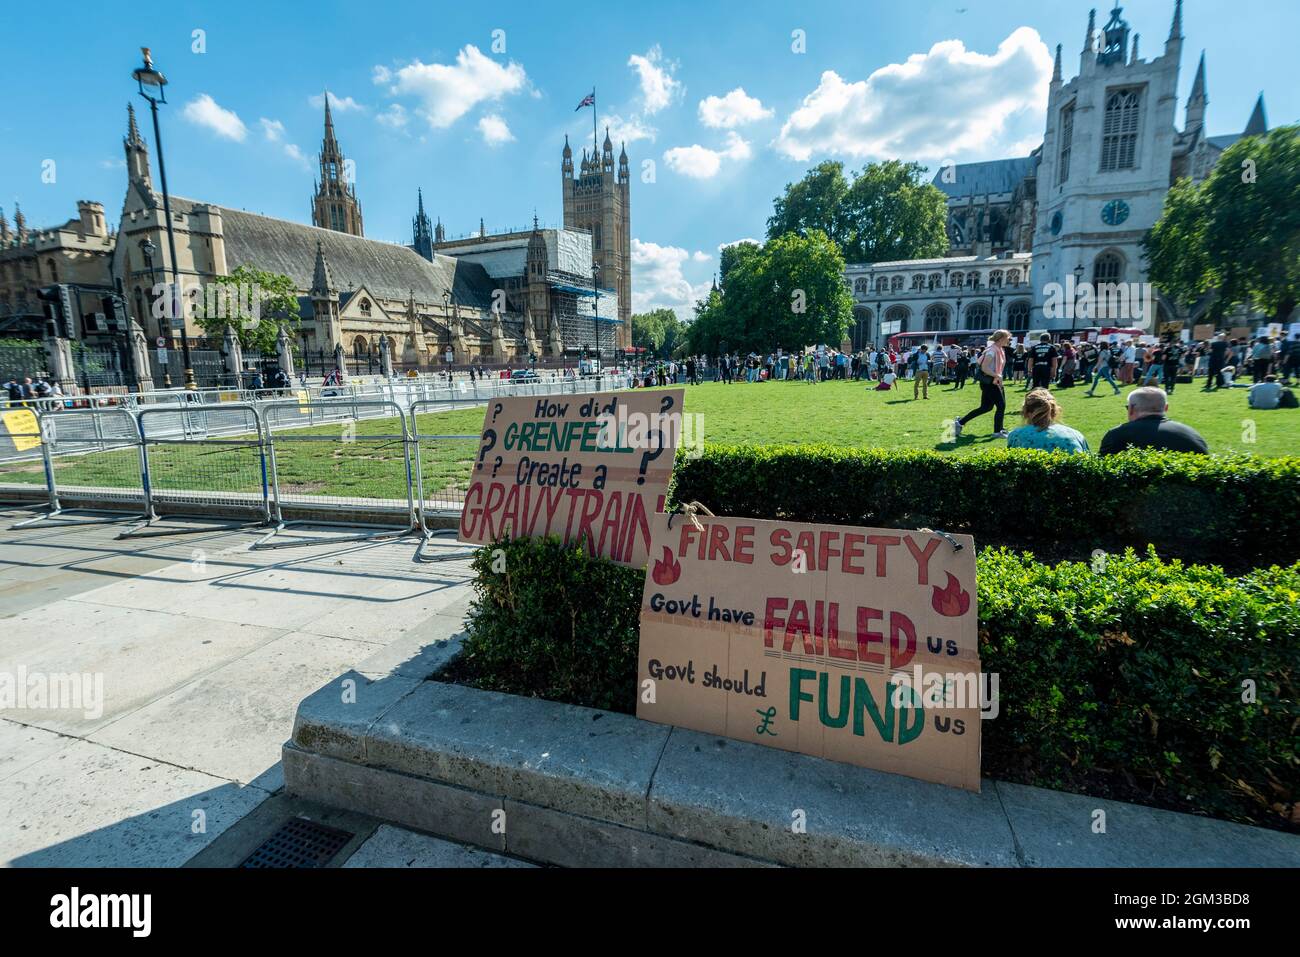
(1106, 161)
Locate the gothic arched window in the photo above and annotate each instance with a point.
(958, 280)
(1119, 130)
(978, 315)
(995, 279)
(861, 287)
(1018, 316)
(882, 284)
(1013, 277)
(936, 318)
(365, 307)
(917, 282)
(936, 280)
(895, 321)
(1107, 270)
(896, 284)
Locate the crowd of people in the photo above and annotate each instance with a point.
(27, 389)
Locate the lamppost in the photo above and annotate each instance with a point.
(147, 76)
(147, 249)
(595, 306)
(1001, 300)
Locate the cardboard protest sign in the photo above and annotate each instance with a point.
(852, 644)
(1239, 332)
(1203, 332)
(591, 468)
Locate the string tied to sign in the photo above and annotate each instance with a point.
(691, 510)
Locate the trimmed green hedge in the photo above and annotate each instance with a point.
(1238, 511)
(1122, 678)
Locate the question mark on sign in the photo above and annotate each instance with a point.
(496, 465)
(650, 455)
(496, 410)
(489, 443)
(666, 404)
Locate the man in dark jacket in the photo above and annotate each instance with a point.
(1149, 427)
(1218, 359)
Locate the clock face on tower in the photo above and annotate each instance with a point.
(1115, 212)
(1057, 222)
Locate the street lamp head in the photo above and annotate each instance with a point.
(147, 247)
(1078, 273)
(147, 76)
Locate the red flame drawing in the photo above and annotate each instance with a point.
(952, 601)
(667, 570)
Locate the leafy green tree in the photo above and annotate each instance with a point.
(893, 214)
(256, 303)
(659, 331)
(789, 293)
(886, 213)
(818, 201)
(1236, 234)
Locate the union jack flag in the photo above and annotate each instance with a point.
(588, 100)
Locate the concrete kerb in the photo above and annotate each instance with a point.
(581, 787)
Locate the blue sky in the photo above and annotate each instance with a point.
(714, 94)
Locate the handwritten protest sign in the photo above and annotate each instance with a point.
(588, 468)
(853, 644)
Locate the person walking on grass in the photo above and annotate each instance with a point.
(1103, 371)
(992, 398)
(921, 383)
(1043, 429)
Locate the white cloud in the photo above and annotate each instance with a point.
(630, 130)
(700, 162)
(118, 163)
(495, 130)
(395, 117)
(204, 111)
(273, 131)
(735, 109)
(447, 91)
(944, 103)
(658, 87)
(701, 257)
(737, 242)
(658, 281)
(339, 104)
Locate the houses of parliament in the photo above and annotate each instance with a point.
(483, 298)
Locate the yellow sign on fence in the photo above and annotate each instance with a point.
(23, 429)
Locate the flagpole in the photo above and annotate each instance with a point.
(594, 148)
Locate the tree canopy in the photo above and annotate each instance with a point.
(787, 293)
(255, 303)
(1237, 233)
(659, 331)
(887, 212)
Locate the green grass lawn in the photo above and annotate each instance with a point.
(847, 413)
(840, 413)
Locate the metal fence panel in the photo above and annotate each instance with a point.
(204, 455)
(340, 455)
(96, 453)
(443, 457)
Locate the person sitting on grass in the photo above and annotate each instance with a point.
(1042, 428)
(1266, 394)
(1149, 427)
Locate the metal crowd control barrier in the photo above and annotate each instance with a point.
(202, 455)
(446, 467)
(94, 453)
(304, 459)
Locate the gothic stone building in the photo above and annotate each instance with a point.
(77, 251)
(353, 291)
(1081, 201)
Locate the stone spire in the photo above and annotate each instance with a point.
(1092, 29)
(20, 221)
(137, 152)
(1176, 28)
(322, 283)
(1197, 100)
(4, 229)
(1258, 123)
(1056, 67)
(334, 205)
(422, 230)
(1136, 38)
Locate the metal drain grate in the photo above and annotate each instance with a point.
(299, 843)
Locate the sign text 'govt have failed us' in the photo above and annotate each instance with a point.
(853, 644)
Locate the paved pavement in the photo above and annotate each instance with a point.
(191, 654)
